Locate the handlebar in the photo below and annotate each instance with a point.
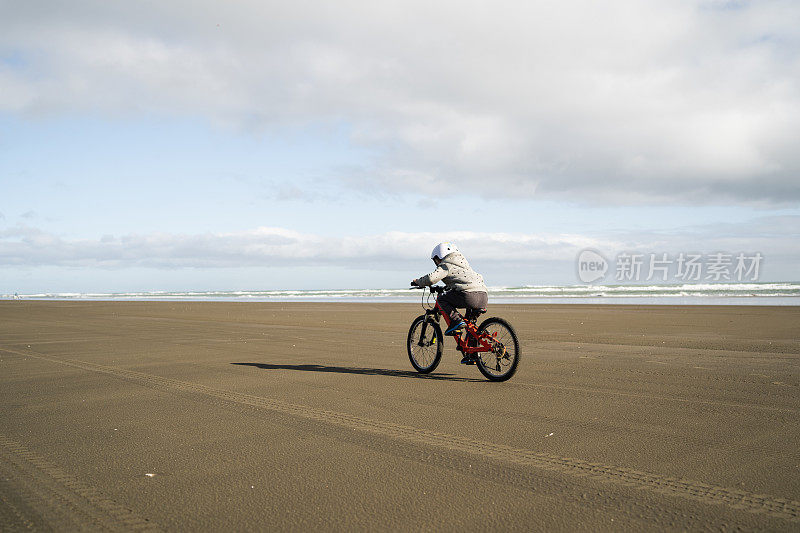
(436, 289)
(426, 302)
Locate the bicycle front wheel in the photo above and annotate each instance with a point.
(501, 362)
(425, 344)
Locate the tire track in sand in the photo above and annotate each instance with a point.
(703, 492)
(36, 494)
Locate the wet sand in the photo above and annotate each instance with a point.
(290, 416)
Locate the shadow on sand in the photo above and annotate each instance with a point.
(361, 371)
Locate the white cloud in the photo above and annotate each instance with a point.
(775, 237)
(694, 102)
(269, 246)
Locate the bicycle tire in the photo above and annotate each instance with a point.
(425, 361)
(499, 371)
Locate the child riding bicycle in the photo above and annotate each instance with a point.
(465, 287)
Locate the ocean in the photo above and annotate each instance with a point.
(783, 293)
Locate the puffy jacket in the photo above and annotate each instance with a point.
(456, 274)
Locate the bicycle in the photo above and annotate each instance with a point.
(493, 346)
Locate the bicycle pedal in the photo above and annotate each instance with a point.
(467, 361)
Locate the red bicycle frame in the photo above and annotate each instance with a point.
(483, 340)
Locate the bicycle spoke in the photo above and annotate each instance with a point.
(424, 351)
(501, 360)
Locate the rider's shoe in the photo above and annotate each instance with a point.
(455, 328)
(468, 360)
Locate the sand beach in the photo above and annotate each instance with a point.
(188, 416)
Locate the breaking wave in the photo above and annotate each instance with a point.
(783, 293)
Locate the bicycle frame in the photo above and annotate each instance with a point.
(483, 340)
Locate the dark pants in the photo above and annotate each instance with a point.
(451, 300)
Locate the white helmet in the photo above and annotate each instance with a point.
(442, 249)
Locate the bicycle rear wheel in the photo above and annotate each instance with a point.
(425, 352)
(500, 363)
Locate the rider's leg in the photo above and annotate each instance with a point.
(474, 300)
(449, 301)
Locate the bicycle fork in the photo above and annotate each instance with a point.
(424, 330)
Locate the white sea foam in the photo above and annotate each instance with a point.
(780, 293)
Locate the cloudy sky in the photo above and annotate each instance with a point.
(255, 145)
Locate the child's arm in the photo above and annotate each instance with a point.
(432, 278)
